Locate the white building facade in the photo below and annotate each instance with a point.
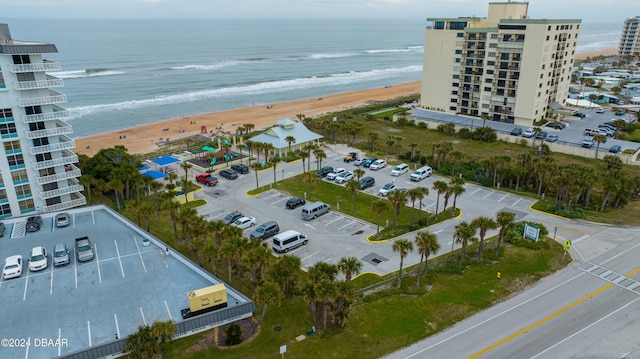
(505, 66)
(630, 37)
(37, 171)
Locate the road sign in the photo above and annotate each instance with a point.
(567, 244)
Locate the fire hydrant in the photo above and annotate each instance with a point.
(498, 275)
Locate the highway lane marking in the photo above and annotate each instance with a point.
(547, 318)
(587, 327)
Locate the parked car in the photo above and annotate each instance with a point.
(231, 217)
(84, 249)
(294, 202)
(552, 138)
(12, 267)
(619, 113)
(580, 114)
(265, 230)
(600, 110)
(528, 133)
(240, 168)
(351, 156)
(368, 162)
(400, 169)
(556, 125)
(60, 255)
(344, 177)
(615, 149)
(62, 219)
(386, 189)
(516, 131)
(331, 176)
(367, 182)
(38, 259)
(324, 171)
(358, 161)
(377, 165)
(541, 135)
(228, 173)
(1, 229)
(587, 142)
(34, 223)
(608, 130)
(244, 222)
(207, 179)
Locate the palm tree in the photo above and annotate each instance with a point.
(598, 139)
(320, 155)
(483, 224)
(155, 187)
(505, 220)
(255, 167)
(390, 141)
(117, 186)
(378, 207)
(162, 332)
(359, 172)
(440, 187)
(414, 194)
(87, 181)
(186, 166)
(285, 272)
(463, 234)
(309, 178)
(267, 293)
(353, 185)
(402, 246)
(484, 118)
(427, 243)
(273, 161)
(349, 266)
(304, 155)
(289, 140)
(457, 188)
(397, 199)
(308, 148)
(425, 192)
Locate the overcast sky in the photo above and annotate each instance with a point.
(587, 10)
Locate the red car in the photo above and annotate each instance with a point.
(207, 179)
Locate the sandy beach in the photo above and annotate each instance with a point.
(142, 139)
(605, 52)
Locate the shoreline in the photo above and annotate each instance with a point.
(142, 139)
(612, 51)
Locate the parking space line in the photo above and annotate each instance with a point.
(59, 340)
(346, 225)
(337, 219)
(98, 263)
(309, 256)
(505, 196)
(474, 192)
(143, 319)
(115, 318)
(280, 200)
(89, 331)
(140, 254)
(274, 195)
(93, 217)
(75, 268)
(119, 259)
(490, 193)
(26, 283)
(327, 261)
(51, 284)
(516, 202)
(168, 311)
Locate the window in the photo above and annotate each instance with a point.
(543, 66)
(458, 52)
(488, 80)
(460, 34)
(2, 84)
(494, 36)
(54, 200)
(21, 59)
(19, 176)
(35, 126)
(50, 186)
(547, 37)
(439, 25)
(23, 190)
(6, 113)
(26, 205)
(3, 195)
(32, 110)
(40, 141)
(12, 146)
(8, 129)
(488, 89)
(492, 54)
(489, 72)
(493, 45)
(47, 172)
(43, 157)
(539, 93)
(5, 210)
(491, 63)
(457, 59)
(15, 160)
(453, 108)
(453, 100)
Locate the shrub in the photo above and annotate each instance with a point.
(233, 335)
(465, 133)
(422, 125)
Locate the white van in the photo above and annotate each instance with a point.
(288, 240)
(421, 173)
(314, 210)
(400, 169)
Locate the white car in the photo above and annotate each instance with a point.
(12, 267)
(386, 189)
(528, 133)
(245, 222)
(400, 169)
(38, 259)
(377, 165)
(344, 177)
(600, 110)
(335, 173)
(358, 161)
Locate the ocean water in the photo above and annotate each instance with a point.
(123, 73)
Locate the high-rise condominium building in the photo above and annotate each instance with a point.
(505, 66)
(37, 172)
(630, 37)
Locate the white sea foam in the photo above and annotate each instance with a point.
(75, 74)
(332, 56)
(259, 88)
(216, 66)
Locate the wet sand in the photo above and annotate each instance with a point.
(142, 139)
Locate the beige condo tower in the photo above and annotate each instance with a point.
(506, 66)
(630, 37)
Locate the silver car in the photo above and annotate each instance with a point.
(60, 255)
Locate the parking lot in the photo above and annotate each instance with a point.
(336, 235)
(84, 304)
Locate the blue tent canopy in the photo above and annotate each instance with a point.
(154, 174)
(165, 160)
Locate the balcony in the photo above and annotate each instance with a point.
(39, 84)
(77, 201)
(64, 143)
(61, 128)
(58, 113)
(72, 187)
(45, 66)
(67, 158)
(73, 173)
(53, 98)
